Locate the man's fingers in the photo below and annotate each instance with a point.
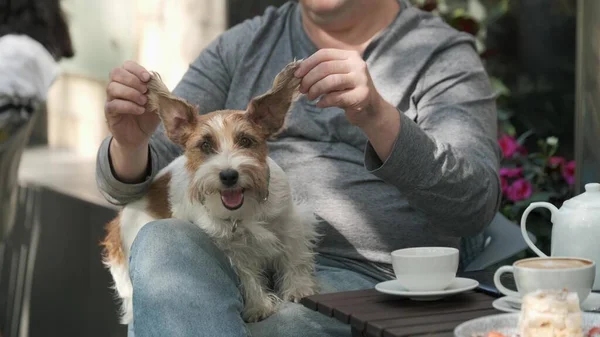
(120, 91)
(120, 106)
(331, 83)
(123, 76)
(321, 55)
(342, 99)
(333, 99)
(137, 70)
(321, 71)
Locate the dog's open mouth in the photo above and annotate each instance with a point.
(232, 198)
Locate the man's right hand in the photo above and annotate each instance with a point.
(128, 121)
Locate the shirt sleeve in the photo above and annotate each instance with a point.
(445, 160)
(205, 84)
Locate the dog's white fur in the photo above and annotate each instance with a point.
(276, 233)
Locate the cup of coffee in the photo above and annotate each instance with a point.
(549, 273)
(425, 268)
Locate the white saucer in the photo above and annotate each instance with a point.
(513, 304)
(459, 285)
(505, 304)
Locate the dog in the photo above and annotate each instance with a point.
(226, 184)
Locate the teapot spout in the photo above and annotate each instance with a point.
(554, 212)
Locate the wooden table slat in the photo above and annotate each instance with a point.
(373, 314)
(359, 316)
(309, 302)
(376, 328)
(437, 334)
(335, 302)
(347, 313)
(326, 307)
(347, 295)
(326, 302)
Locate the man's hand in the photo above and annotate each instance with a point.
(130, 124)
(342, 79)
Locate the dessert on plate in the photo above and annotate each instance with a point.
(549, 313)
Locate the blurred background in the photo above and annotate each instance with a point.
(542, 57)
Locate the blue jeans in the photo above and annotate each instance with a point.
(183, 285)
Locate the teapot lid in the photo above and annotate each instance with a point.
(589, 199)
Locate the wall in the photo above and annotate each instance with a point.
(162, 36)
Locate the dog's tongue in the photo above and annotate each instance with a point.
(232, 198)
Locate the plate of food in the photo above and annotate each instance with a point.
(543, 313)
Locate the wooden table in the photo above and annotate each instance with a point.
(373, 314)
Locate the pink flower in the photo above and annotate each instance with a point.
(522, 151)
(465, 24)
(511, 172)
(520, 189)
(555, 162)
(508, 145)
(568, 172)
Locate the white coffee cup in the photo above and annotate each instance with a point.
(549, 273)
(425, 268)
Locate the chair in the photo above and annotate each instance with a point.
(503, 240)
(18, 232)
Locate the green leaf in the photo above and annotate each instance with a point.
(504, 115)
(524, 137)
(535, 197)
(459, 12)
(498, 87)
(508, 213)
(510, 130)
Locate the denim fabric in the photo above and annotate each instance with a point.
(183, 285)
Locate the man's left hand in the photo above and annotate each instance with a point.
(342, 79)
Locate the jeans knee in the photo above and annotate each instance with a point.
(163, 243)
(158, 238)
(293, 319)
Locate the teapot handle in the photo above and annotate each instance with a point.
(528, 210)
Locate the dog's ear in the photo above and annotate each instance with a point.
(269, 110)
(177, 115)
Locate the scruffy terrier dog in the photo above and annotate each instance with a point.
(226, 184)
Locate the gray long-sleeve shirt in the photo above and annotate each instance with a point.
(440, 182)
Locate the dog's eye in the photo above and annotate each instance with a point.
(206, 147)
(245, 142)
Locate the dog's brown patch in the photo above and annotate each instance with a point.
(112, 246)
(158, 198)
(158, 207)
(177, 115)
(269, 111)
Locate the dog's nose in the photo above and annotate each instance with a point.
(229, 177)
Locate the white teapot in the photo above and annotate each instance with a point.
(576, 227)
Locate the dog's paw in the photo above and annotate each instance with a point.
(299, 291)
(260, 309)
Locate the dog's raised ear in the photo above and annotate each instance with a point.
(177, 115)
(269, 110)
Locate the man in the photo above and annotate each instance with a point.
(399, 150)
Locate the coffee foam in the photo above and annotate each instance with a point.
(553, 263)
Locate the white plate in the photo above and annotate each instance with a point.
(459, 285)
(507, 324)
(505, 304)
(513, 304)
